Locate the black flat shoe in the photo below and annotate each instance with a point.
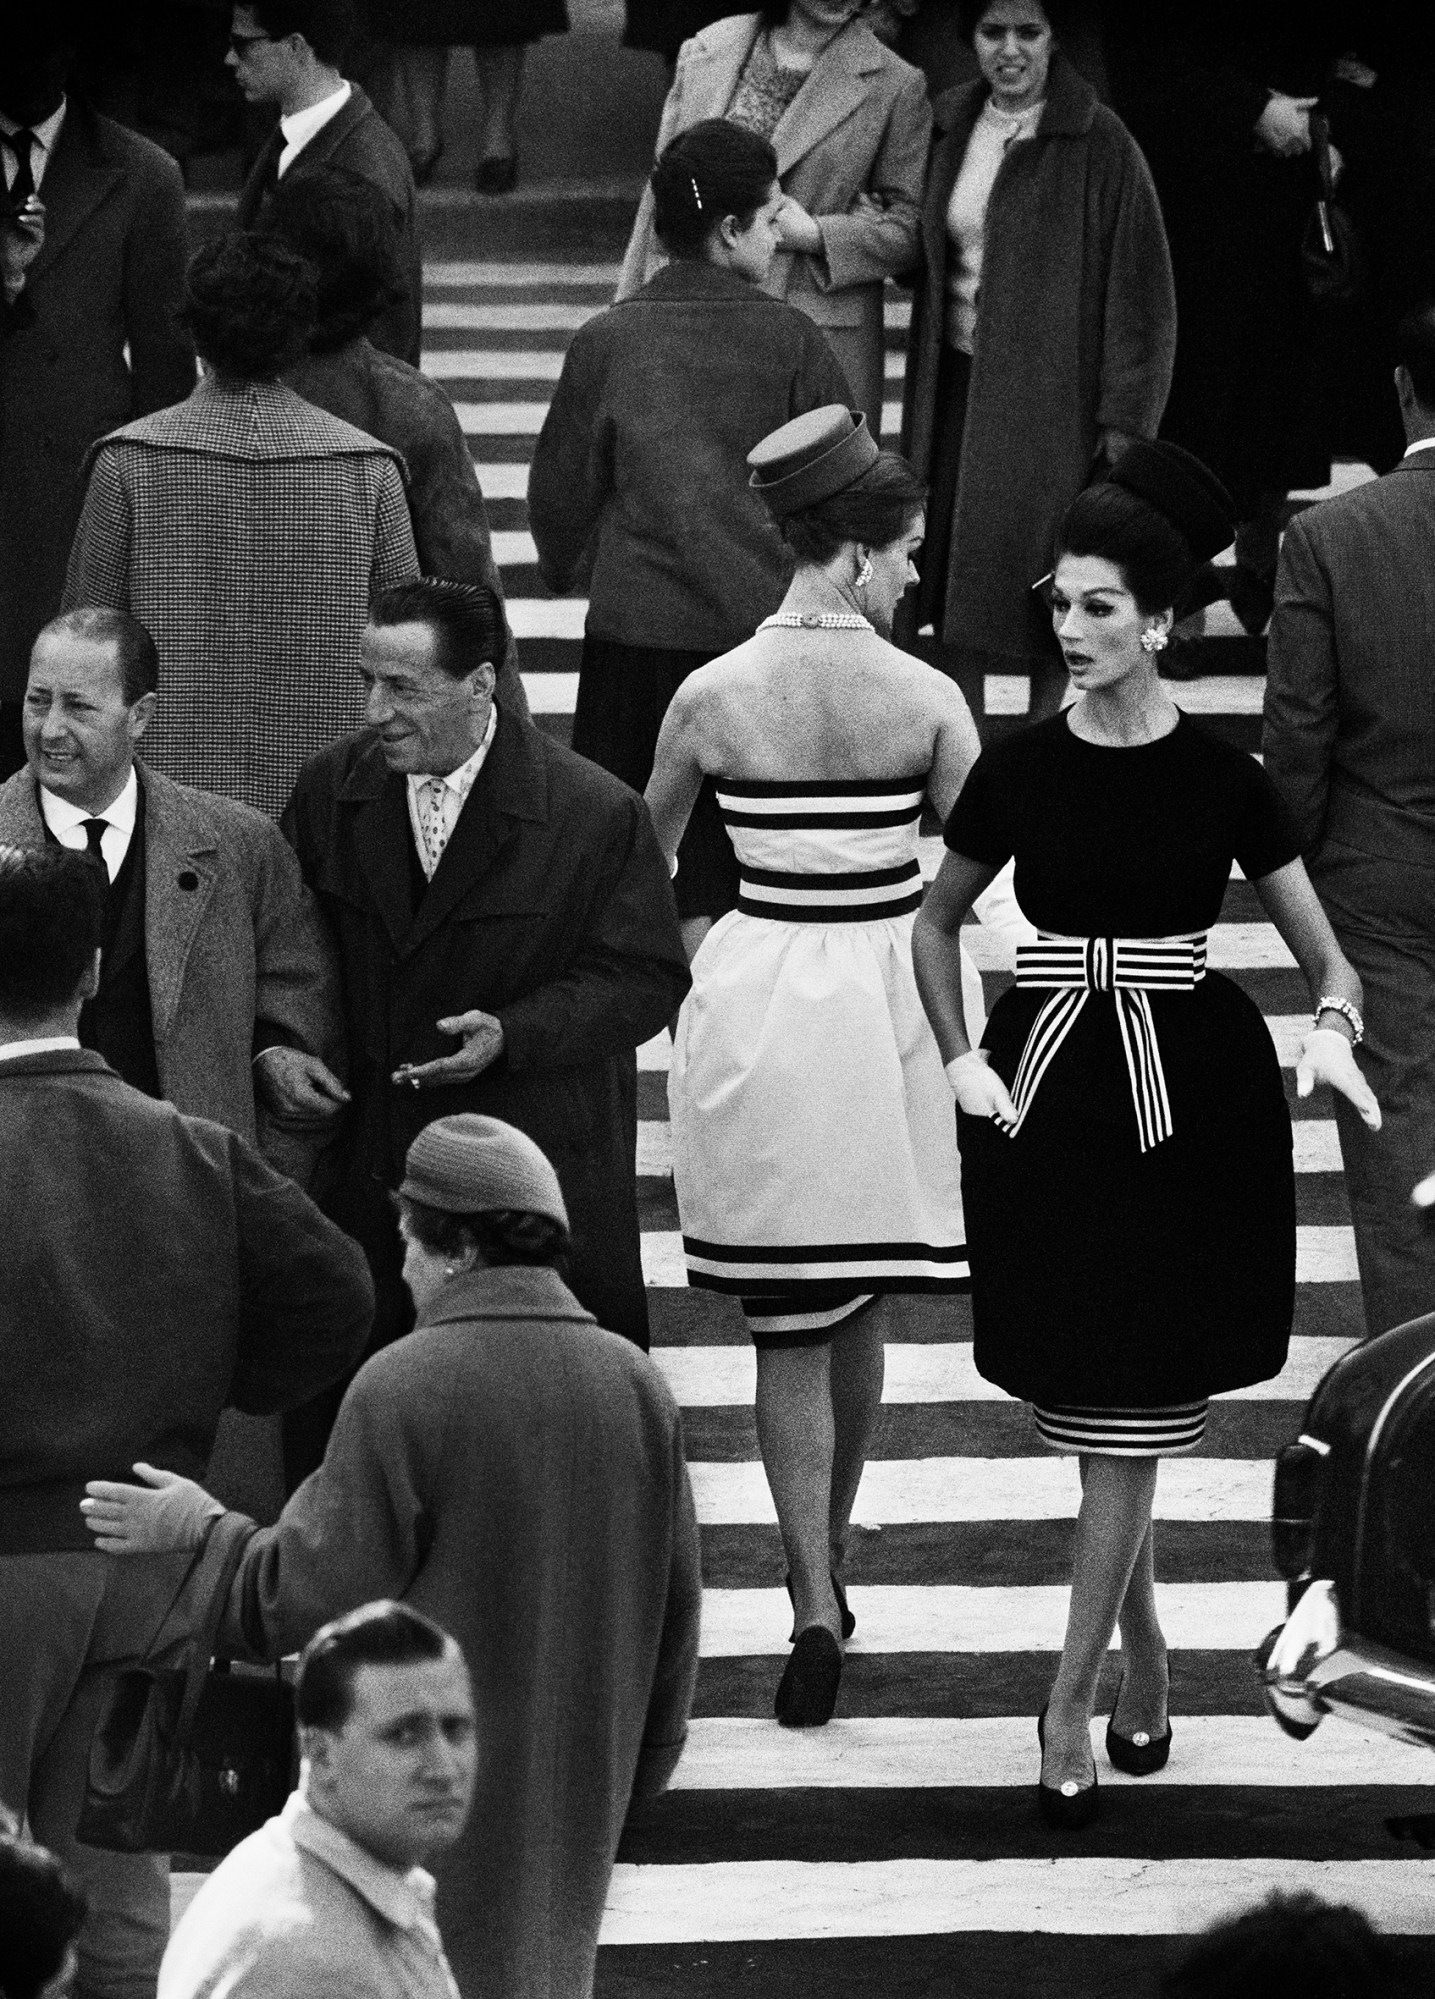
(496, 175)
(807, 1691)
(1139, 1755)
(849, 1622)
(1062, 1809)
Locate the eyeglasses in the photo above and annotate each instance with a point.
(241, 43)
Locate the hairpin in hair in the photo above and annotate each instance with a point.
(696, 196)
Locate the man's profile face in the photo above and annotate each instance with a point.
(428, 723)
(398, 1775)
(80, 732)
(262, 67)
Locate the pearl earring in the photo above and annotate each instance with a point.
(864, 574)
(1154, 639)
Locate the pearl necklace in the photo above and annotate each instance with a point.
(818, 621)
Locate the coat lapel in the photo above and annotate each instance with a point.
(76, 181)
(510, 787)
(330, 137)
(20, 822)
(180, 872)
(833, 91)
(711, 72)
(381, 840)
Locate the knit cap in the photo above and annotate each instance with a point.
(470, 1165)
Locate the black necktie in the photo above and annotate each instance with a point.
(21, 144)
(95, 830)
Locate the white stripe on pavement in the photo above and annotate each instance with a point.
(550, 693)
(440, 316)
(1325, 1254)
(905, 1492)
(655, 1149)
(954, 1617)
(725, 1377)
(503, 482)
(495, 364)
(495, 275)
(513, 547)
(1219, 693)
(500, 419)
(933, 1752)
(740, 1901)
(547, 617)
(657, 1053)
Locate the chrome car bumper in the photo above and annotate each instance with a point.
(1310, 1667)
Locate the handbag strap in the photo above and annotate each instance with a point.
(202, 1648)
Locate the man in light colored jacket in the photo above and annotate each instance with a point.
(331, 1897)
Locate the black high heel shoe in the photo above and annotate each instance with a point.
(848, 1621)
(1063, 1810)
(1139, 1755)
(807, 1691)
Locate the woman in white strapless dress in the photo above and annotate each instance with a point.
(814, 1135)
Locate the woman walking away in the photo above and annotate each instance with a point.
(850, 123)
(643, 457)
(1125, 1141)
(814, 1148)
(1043, 336)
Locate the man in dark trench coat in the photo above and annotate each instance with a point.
(508, 937)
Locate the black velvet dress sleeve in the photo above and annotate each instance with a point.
(981, 825)
(1265, 836)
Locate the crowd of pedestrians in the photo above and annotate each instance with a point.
(323, 969)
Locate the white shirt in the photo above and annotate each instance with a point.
(47, 132)
(993, 135)
(1420, 444)
(44, 1044)
(435, 802)
(67, 823)
(300, 127)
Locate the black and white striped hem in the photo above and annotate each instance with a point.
(1123, 1433)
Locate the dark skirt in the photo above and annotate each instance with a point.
(1103, 1276)
(476, 23)
(954, 381)
(623, 694)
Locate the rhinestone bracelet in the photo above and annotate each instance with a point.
(1330, 1003)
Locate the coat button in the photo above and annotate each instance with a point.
(189, 879)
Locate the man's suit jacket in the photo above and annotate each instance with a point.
(107, 278)
(1350, 696)
(859, 125)
(236, 950)
(357, 141)
(552, 909)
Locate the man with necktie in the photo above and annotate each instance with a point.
(508, 937)
(287, 53)
(89, 336)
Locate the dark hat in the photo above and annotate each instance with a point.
(470, 1165)
(1182, 490)
(812, 458)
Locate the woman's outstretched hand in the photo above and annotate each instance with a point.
(164, 1516)
(978, 1089)
(1326, 1056)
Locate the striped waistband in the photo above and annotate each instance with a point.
(1130, 969)
(864, 896)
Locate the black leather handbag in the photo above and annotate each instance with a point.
(1330, 254)
(190, 1759)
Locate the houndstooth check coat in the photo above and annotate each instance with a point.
(246, 529)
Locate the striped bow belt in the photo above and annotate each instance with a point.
(1129, 968)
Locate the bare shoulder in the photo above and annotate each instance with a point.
(924, 685)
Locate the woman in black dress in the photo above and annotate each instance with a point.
(1126, 1147)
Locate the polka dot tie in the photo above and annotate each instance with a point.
(435, 832)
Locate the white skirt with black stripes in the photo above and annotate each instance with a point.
(1123, 1433)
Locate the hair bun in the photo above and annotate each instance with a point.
(1182, 490)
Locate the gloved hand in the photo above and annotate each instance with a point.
(172, 1515)
(979, 1091)
(1326, 1056)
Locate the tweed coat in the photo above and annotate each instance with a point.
(402, 407)
(551, 908)
(106, 280)
(190, 522)
(1075, 334)
(237, 953)
(517, 1474)
(858, 127)
(357, 141)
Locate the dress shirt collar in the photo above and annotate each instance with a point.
(300, 126)
(62, 817)
(461, 781)
(1420, 444)
(47, 132)
(404, 1899)
(45, 1044)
